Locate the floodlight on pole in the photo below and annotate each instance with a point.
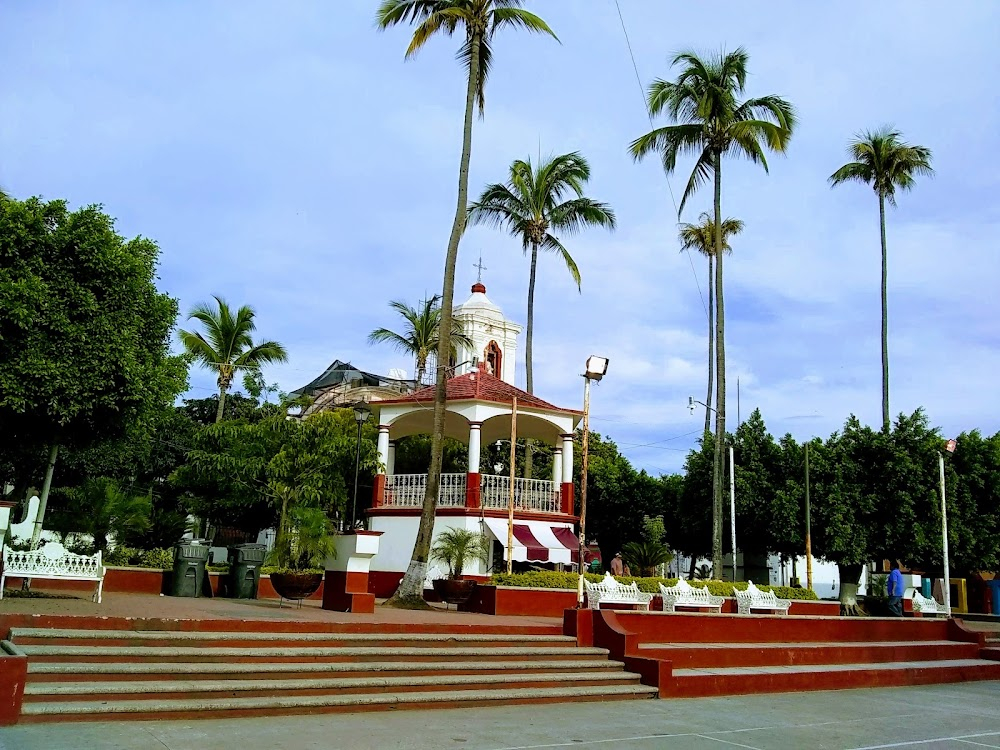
(596, 368)
(361, 414)
(950, 448)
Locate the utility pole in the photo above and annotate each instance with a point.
(513, 471)
(809, 554)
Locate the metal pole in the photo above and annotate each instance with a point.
(732, 504)
(510, 503)
(357, 467)
(809, 554)
(583, 486)
(944, 539)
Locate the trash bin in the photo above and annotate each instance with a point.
(995, 593)
(190, 559)
(244, 570)
(925, 587)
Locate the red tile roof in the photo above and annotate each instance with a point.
(480, 386)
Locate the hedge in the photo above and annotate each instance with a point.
(546, 579)
(129, 557)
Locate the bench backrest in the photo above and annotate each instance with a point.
(921, 604)
(51, 559)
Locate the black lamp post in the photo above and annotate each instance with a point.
(361, 414)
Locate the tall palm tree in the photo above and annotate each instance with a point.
(531, 206)
(421, 333)
(883, 160)
(701, 237)
(478, 21)
(711, 121)
(226, 346)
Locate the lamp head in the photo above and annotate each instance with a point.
(691, 404)
(950, 446)
(597, 367)
(361, 413)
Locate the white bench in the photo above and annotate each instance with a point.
(684, 594)
(926, 606)
(52, 561)
(610, 591)
(754, 598)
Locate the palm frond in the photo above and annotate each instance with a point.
(553, 244)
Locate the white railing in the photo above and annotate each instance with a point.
(538, 495)
(407, 491)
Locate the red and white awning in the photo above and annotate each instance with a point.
(537, 541)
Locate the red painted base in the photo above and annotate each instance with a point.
(347, 592)
(13, 674)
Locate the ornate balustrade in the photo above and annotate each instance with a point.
(407, 491)
(537, 495)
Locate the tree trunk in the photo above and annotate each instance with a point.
(222, 405)
(411, 588)
(694, 559)
(528, 339)
(885, 318)
(36, 533)
(711, 345)
(720, 370)
(850, 575)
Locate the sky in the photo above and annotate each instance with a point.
(286, 156)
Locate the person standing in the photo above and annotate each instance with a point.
(617, 566)
(894, 587)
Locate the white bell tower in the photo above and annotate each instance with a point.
(494, 338)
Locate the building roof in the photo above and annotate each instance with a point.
(480, 386)
(479, 303)
(340, 372)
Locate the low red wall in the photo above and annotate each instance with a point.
(13, 674)
(141, 581)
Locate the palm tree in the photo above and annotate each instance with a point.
(701, 237)
(479, 20)
(883, 160)
(711, 122)
(226, 346)
(531, 206)
(421, 335)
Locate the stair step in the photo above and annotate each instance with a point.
(97, 691)
(713, 655)
(708, 681)
(182, 653)
(47, 672)
(276, 705)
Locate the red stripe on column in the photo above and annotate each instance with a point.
(569, 540)
(536, 552)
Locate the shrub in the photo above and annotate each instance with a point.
(130, 557)
(544, 579)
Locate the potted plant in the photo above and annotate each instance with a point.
(305, 541)
(454, 548)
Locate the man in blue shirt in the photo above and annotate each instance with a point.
(894, 588)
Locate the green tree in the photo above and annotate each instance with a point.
(478, 21)
(101, 508)
(421, 333)
(712, 122)
(226, 347)
(85, 333)
(883, 160)
(973, 504)
(689, 527)
(701, 237)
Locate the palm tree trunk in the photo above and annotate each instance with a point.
(720, 368)
(711, 345)
(411, 588)
(222, 405)
(43, 501)
(529, 337)
(885, 318)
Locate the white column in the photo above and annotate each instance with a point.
(557, 465)
(383, 445)
(390, 465)
(474, 446)
(567, 459)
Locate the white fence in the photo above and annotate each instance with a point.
(407, 491)
(538, 495)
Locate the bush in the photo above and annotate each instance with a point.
(130, 557)
(544, 579)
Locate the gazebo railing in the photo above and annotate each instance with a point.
(539, 495)
(407, 491)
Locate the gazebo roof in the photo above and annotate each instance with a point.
(481, 386)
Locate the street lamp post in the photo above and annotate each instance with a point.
(596, 368)
(732, 484)
(361, 414)
(950, 447)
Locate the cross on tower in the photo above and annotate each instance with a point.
(481, 268)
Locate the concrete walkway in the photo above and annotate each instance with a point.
(964, 716)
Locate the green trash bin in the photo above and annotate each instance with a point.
(190, 559)
(244, 570)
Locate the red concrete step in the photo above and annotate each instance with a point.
(690, 683)
(41, 672)
(990, 652)
(288, 705)
(712, 655)
(180, 689)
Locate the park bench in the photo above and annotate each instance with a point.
(54, 562)
(754, 598)
(926, 606)
(610, 591)
(683, 594)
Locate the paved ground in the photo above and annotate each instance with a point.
(964, 716)
(180, 608)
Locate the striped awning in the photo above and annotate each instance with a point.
(536, 541)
